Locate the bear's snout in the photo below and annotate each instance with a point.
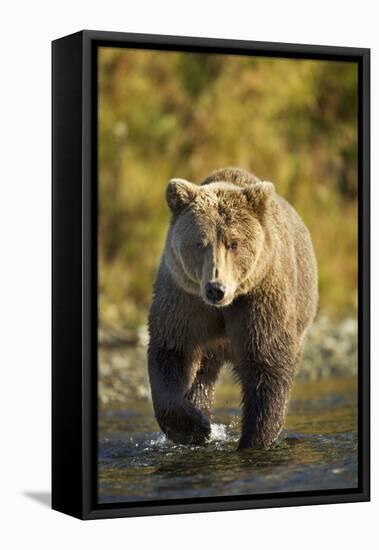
(215, 292)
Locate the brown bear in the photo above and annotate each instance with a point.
(237, 283)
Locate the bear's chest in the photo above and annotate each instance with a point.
(207, 328)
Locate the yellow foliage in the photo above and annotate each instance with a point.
(169, 114)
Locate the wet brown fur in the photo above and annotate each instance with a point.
(236, 230)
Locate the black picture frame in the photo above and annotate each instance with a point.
(74, 273)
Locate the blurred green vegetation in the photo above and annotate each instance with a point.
(168, 114)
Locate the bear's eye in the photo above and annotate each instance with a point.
(234, 246)
(200, 245)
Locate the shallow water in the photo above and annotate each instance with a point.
(316, 450)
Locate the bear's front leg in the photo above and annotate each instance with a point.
(265, 394)
(170, 373)
(203, 387)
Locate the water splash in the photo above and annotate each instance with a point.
(219, 432)
(160, 440)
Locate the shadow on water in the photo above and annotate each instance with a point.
(317, 450)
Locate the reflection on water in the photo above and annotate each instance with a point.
(316, 450)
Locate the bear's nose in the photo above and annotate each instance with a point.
(214, 292)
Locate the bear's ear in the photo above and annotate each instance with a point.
(179, 194)
(259, 196)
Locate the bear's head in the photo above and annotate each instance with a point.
(216, 245)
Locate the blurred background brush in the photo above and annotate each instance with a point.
(166, 114)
